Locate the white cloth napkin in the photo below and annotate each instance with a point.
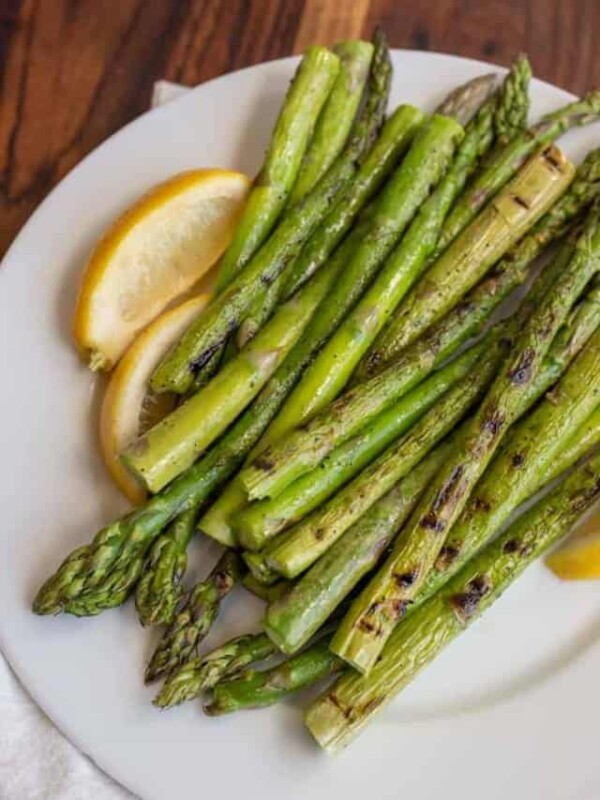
(36, 761)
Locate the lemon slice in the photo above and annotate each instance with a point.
(128, 408)
(579, 557)
(153, 253)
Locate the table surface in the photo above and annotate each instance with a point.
(74, 71)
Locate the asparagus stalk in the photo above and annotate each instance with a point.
(395, 137)
(463, 102)
(328, 374)
(200, 674)
(508, 216)
(208, 332)
(406, 190)
(195, 618)
(336, 117)
(396, 133)
(260, 521)
(292, 619)
(372, 616)
(102, 574)
(306, 448)
(299, 547)
(259, 689)
(535, 452)
(468, 317)
(308, 93)
(506, 219)
(358, 271)
(330, 134)
(172, 445)
(334, 365)
(343, 710)
(511, 114)
(579, 445)
(159, 589)
(506, 160)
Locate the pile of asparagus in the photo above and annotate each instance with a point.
(358, 419)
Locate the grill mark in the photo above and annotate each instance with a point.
(466, 603)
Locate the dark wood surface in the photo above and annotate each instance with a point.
(74, 71)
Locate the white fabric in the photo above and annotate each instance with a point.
(36, 761)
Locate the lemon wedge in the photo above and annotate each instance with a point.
(128, 408)
(579, 557)
(153, 253)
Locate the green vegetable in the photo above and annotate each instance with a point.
(172, 445)
(293, 618)
(468, 317)
(344, 709)
(159, 589)
(195, 617)
(508, 216)
(210, 330)
(200, 674)
(299, 547)
(262, 520)
(258, 689)
(507, 159)
(374, 614)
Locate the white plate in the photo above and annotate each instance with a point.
(510, 710)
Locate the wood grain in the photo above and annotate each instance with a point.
(74, 71)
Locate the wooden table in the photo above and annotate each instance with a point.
(74, 71)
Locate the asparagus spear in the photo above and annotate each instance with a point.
(330, 372)
(292, 619)
(467, 318)
(194, 619)
(538, 450)
(260, 521)
(463, 102)
(209, 331)
(306, 448)
(509, 215)
(102, 574)
(395, 137)
(367, 625)
(216, 522)
(336, 117)
(330, 134)
(506, 160)
(159, 589)
(504, 222)
(358, 270)
(409, 186)
(332, 368)
(172, 445)
(511, 114)
(579, 445)
(202, 673)
(259, 689)
(499, 492)
(343, 710)
(308, 92)
(299, 547)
